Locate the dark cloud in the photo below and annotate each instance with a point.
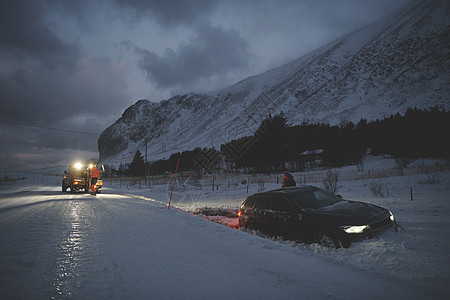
(168, 12)
(63, 64)
(213, 52)
(24, 35)
(48, 83)
(47, 96)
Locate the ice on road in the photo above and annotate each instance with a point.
(57, 245)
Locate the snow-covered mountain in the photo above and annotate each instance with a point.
(374, 72)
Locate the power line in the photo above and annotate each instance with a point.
(55, 168)
(49, 128)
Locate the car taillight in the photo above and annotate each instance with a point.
(75, 182)
(239, 214)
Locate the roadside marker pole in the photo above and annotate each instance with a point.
(173, 184)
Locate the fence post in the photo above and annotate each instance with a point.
(248, 183)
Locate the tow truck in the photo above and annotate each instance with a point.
(77, 178)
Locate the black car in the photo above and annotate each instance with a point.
(311, 214)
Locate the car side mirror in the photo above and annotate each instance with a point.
(339, 196)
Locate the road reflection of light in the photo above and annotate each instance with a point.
(108, 196)
(72, 247)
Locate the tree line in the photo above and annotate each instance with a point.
(277, 146)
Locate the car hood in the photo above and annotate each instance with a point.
(350, 212)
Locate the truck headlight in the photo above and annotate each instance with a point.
(354, 229)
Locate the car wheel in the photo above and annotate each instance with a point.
(327, 240)
(345, 242)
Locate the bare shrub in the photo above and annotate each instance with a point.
(330, 181)
(441, 164)
(403, 163)
(431, 178)
(422, 168)
(378, 190)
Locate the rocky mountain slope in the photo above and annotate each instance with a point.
(379, 70)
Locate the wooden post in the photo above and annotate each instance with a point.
(248, 183)
(173, 184)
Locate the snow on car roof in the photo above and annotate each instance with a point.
(290, 190)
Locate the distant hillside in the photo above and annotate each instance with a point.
(379, 70)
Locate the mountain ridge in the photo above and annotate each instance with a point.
(381, 69)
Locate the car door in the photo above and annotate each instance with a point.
(264, 213)
(286, 216)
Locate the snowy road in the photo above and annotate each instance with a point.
(57, 245)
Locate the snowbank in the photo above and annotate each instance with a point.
(127, 244)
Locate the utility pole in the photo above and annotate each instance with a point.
(145, 162)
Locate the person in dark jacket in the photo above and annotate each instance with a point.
(288, 180)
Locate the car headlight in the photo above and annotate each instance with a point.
(354, 229)
(391, 216)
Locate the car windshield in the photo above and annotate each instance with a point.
(314, 199)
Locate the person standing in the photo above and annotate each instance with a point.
(94, 174)
(288, 180)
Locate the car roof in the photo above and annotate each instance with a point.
(289, 190)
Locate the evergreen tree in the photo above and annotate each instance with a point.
(137, 166)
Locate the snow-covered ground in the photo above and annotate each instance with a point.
(125, 243)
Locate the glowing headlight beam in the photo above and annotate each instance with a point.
(355, 229)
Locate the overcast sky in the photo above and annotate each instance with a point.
(77, 65)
